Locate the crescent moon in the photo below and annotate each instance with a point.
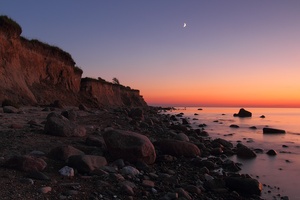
(184, 25)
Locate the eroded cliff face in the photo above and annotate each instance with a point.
(107, 94)
(32, 73)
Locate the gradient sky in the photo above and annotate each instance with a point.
(231, 53)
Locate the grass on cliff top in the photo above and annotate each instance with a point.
(9, 26)
(50, 50)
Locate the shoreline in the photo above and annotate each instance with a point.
(180, 175)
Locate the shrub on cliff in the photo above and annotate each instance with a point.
(9, 26)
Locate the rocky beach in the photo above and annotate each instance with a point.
(68, 137)
(120, 153)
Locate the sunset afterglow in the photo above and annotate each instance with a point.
(201, 53)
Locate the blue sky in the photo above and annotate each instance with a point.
(227, 47)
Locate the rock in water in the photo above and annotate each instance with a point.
(244, 185)
(243, 113)
(130, 146)
(244, 152)
(273, 131)
(178, 148)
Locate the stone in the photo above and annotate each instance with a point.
(130, 146)
(58, 125)
(45, 189)
(272, 152)
(136, 114)
(129, 170)
(243, 113)
(193, 189)
(148, 183)
(182, 137)
(38, 176)
(185, 121)
(182, 193)
(244, 185)
(223, 142)
(93, 140)
(178, 148)
(244, 152)
(267, 130)
(234, 126)
(26, 163)
(262, 116)
(86, 163)
(67, 171)
(64, 152)
(10, 109)
(82, 107)
(69, 114)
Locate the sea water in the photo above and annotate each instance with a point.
(280, 173)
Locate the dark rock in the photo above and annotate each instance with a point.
(223, 142)
(262, 116)
(182, 137)
(95, 141)
(185, 121)
(130, 146)
(10, 109)
(272, 152)
(26, 163)
(244, 152)
(38, 175)
(86, 163)
(243, 113)
(7, 102)
(252, 127)
(244, 185)
(82, 107)
(267, 130)
(70, 115)
(58, 125)
(57, 104)
(234, 126)
(64, 152)
(178, 148)
(137, 114)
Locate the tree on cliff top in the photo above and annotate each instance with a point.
(115, 81)
(9, 26)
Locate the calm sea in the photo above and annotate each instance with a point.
(281, 173)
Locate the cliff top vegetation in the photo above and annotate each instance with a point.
(9, 26)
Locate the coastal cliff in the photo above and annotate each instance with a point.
(32, 72)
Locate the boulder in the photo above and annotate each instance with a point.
(97, 141)
(70, 114)
(10, 109)
(26, 163)
(178, 148)
(58, 125)
(64, 152)
(86, 163)
(130, 146)
(244, 185)
(244, 152)
(243, 113)
(272, 152)
(267, 130)
(182, 137)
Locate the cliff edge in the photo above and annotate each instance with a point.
(33, 72)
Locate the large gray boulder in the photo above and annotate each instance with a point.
(58, 125)
(130, 146)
